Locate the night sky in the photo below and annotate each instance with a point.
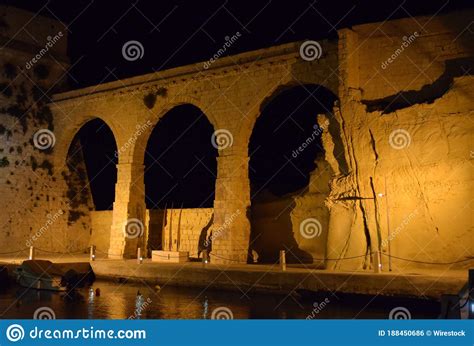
(176, 33)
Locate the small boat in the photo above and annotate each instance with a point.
(45, 275)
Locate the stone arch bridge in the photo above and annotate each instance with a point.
(231, 93)
(397, 170)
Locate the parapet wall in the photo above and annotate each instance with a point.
(188, 227)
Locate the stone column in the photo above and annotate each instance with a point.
(231, 228)
(128, 220)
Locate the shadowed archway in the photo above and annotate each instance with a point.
(283, 149)
(180, 177)
(91, 169)
(180, 161)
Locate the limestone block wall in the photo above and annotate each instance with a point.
(101, 222)
(185, 228)
(34, 206)
(193, 227)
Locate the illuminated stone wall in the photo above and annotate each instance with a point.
(34, 207)
(192, 225)
(401, 128)
(409, 157)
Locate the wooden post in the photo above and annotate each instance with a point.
(283, 260)
(178, 237)
(377, 262)
(470, 288)
(170, 239)
(139, 256)
(163, 227)
(32, 253)
(92, 253)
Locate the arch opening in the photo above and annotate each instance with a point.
(91, 169)
(180, 177)
(286, 152)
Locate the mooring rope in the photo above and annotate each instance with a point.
(237, 261)
(433, 263)
(63, 253)
(12, 252)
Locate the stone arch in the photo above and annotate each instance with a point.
(149, 123)
(180, 171)
(68, 133)
(283, 209)
(89, 156)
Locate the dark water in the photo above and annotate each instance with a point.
(119, 301)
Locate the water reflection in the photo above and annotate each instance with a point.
(121, 301)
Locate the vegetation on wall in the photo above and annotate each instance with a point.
(150, 99)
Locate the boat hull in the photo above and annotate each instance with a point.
(40, 283)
